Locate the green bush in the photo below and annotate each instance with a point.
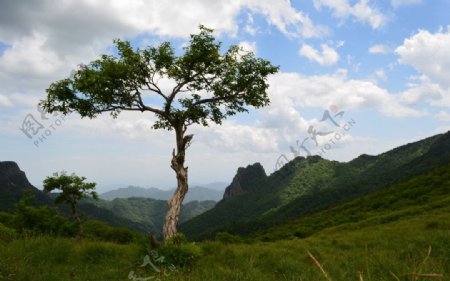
(43, 220)
(228, 238)
(6, 233)
(97, 230)
(180, 255)
(120, 235)
(7, 219)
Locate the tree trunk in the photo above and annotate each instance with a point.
(174, 204)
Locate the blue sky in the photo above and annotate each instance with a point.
(384, 63)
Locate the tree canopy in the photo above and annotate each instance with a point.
(71, 188)
(208, 86)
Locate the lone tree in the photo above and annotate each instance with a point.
(72, 189)
(209, 86)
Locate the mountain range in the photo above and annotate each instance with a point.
(255, 204)
(140, 214)
(196, 193)
(255, 201)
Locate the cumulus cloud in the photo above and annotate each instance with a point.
(379, 49)
(44, 40)
(429, 54)
(327, 55)
(361, 11)
(337, 89)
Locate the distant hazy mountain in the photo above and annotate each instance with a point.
(14, 185)
(140, 214)
(218, 185)
(195, 193)
(151, 212)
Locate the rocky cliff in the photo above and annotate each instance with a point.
(245, 180)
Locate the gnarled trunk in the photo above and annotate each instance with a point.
(178, 158)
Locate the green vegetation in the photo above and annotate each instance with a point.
(307, 186)
(150, 212)
(417, 196)
(401, 232)
(389, 251)
(396, 227)
(72, 189)
(232, 81)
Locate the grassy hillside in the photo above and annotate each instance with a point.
(150, 213)
(400, 250)
(416, 196)
(401, 232)
(304, 186)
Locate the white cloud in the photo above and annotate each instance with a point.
(249, 26)
(248, 46)
(45, 41)
(379, 49)
(429, 54)
(361, 11)
(327, 55)
(337, 89)
(287, 19)
(380, 74)
(422, 89)
(5, 101)
(399, 3)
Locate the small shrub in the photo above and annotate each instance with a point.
(180, 255)
(120, 235)
(228, 238)
(176, 239)
(7, 219)
(6, 234)
(42, 220)
(95, 230)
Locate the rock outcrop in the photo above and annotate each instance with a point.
(245, 180)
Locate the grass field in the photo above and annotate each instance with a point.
(410, 249)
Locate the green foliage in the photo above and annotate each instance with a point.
(6, 233)
(97, 230)
(416, 196)
(42, 220)
(415, 244)
(72, 188)
(176, 239)
(45, 258)
(120, 235)
(149, 213)
(308, 185)
(227, 238)
(234, 80)
(6, 218)
(98, 253)
(183, 255)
